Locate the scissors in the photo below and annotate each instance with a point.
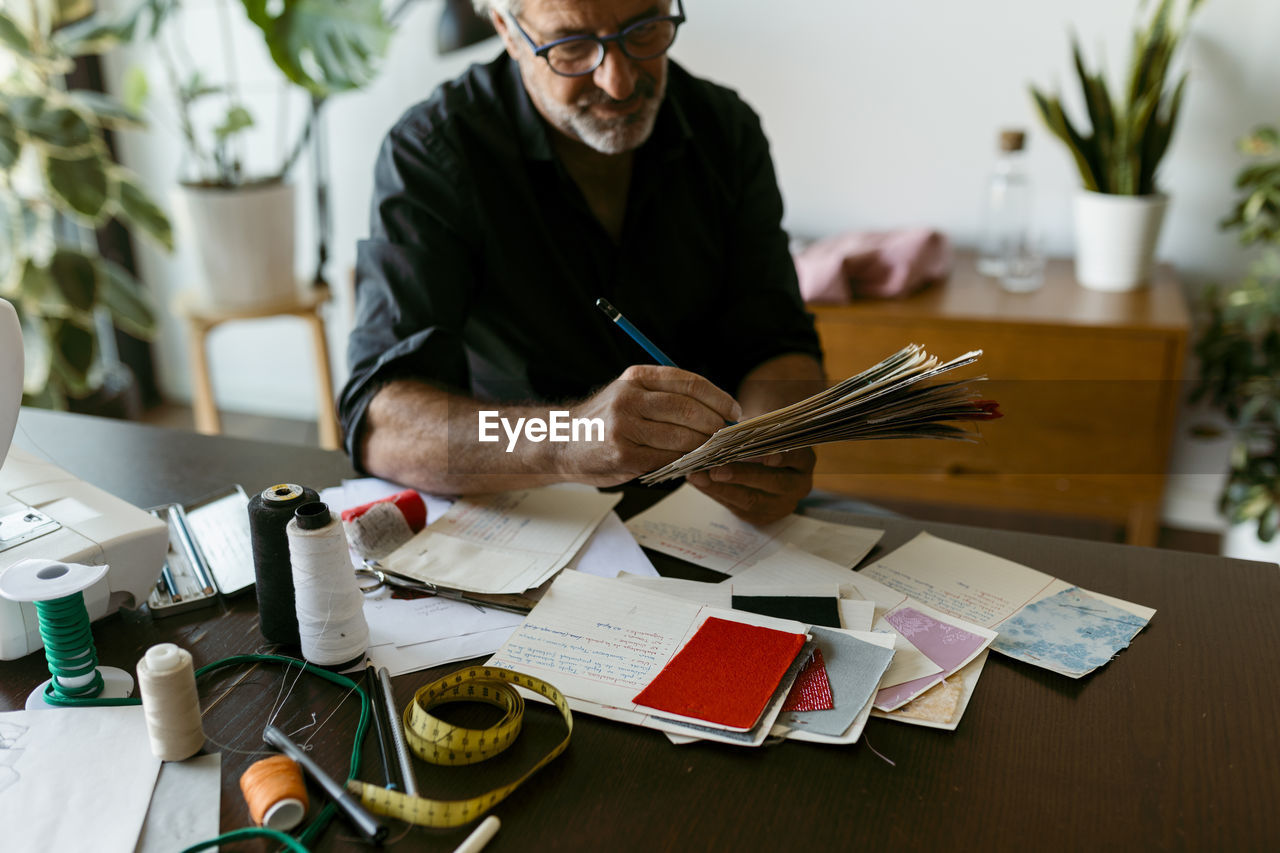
(373, 577)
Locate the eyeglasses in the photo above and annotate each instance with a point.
(575, 56)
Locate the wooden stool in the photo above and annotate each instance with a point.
(201, 319)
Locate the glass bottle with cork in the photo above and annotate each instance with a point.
(1006, 215)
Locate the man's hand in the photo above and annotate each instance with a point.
(652, 415)
(761, 490)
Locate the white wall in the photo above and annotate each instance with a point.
(880, 115)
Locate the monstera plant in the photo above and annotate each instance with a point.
(323, 46)
(57, 183)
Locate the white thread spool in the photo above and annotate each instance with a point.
(170, 702)
(331, 623)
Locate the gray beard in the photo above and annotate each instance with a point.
(612, 135)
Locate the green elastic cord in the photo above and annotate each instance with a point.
(288, 841)
(68, 646)
(326, 814)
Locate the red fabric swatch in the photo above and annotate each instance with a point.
(725, 674)
(812, 690)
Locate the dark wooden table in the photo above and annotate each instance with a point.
(1173, 745)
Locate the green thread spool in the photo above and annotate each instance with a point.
(57, 591)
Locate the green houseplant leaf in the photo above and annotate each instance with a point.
(137, 209)
(325, 46)
(58, 289)
(1239, 347)
(80, 184)
(125, 298)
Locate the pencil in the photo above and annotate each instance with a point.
(375, 693)
(170, 584)
(636, 335)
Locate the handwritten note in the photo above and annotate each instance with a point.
(596, 643)
(503, 543)
(689, 525)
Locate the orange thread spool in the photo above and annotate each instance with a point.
(275, 793)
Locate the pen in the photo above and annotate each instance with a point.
(636, 335)
(375, 692)
(397, 735)
(369, 826)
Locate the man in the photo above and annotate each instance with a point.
(580, 164)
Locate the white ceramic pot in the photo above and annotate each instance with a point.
(243, 239)
(1241, 541)
(1116, 239)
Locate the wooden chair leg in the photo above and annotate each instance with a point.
(202, 402)
(330, 436)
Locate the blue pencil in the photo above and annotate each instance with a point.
(636, 335)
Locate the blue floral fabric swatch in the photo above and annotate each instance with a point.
(1071, 633)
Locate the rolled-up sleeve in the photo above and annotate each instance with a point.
(413, 276)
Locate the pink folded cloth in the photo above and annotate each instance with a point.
(877, 265)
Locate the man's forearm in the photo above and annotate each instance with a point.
(429, 438)
(779, 382)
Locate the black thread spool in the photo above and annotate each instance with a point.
(269, 513)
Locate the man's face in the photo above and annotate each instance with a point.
(612, 109)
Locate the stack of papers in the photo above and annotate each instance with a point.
(627, 653)
(897, 398)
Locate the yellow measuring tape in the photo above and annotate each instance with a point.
(438, 742)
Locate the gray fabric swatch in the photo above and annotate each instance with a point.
(854, 669)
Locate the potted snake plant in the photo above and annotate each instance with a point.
(1120, 207)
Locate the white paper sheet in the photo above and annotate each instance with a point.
(711, 594)
(612, 550)
(75, 779)
(402, 659)
(689, 525)
(403, 622)
(184, 806)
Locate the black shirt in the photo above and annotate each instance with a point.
(484, 262)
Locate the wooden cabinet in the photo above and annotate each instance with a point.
(1089, 384)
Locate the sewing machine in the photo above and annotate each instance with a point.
(45, 512)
